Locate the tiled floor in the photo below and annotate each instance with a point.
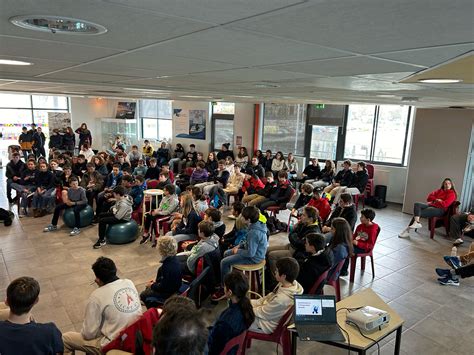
(438, 319)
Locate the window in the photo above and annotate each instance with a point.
(324, 142)
(50, 102)
(377, 133)
(223, 132)
(284, 128)
(156, 117)
(223, 108)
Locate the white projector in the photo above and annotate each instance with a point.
(368, 318)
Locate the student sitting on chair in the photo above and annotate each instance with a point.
(318, 259)
(460, 266)
(261, 194)
(168, 276)
(269, 309)
(346, 209)
(303, 199)
(321, 203)
(438, 203)
(281, 195)
(342, 179)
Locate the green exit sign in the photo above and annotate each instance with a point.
(320, 106)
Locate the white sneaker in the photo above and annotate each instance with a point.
(415, 225)
(404, 234)
(74, 232)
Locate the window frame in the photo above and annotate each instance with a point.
(141, 118)
(341, 156)
(224, 117)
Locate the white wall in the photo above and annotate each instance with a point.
(394, 178)
(244, 122)
(90, 111)
(440, 149)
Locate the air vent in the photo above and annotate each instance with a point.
(410, 99)
(56, 24)
(266, 85)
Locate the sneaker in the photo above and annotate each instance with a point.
(415, 225)
(452, 261)
(50, 228)
(99, 244)
(458, 242)
(75, 231)
(145, 239)
(153, 245)
(404, 234)
(31, 194)
(218, 295)
(443, 272)
(448, 281)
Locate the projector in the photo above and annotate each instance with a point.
(368, 318)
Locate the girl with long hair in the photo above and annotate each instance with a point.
(326, 175)
(187, 229)
(341, 242)
(438, 202)
(278, 163)
(237, 318)
(242, 157)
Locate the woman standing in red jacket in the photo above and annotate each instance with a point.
(437, 204)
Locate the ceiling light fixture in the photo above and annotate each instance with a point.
(267, 85)
(13, 62)
(58, 24)
(439, 81)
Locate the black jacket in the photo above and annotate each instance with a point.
(56, 141)
(45, 179)
(268, 189)
(298, 235)
(282, 193)
(312, 267)
(221, 155)
(266, 163)
(327, 175)
(15, 169)
(344, 177)
(168, 277)
(348, 213)
(223, 178)
(191, 226)
(258, 170)
(302, 201)
(28, 177)
(360, 180)
(312, 171)
(153, 173)
(211, 167)
(77, 169)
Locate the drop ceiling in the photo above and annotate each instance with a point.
(243, 50)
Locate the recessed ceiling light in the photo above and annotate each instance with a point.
(386, 95)
(14, 62)
(439, 81)
(162, 76)
(57, 24)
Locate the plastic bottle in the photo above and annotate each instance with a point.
(454, 251)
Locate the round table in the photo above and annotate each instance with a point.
(148, 196)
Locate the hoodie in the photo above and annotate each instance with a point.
(140, 170)
(298, 235)
(136, 193)
(255, 247)
(269, 309)
(313, 267)
(203, 247)
(113, 180)
(122, 209)
(15, 169)
(219, 228)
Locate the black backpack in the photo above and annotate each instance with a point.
(6, 217)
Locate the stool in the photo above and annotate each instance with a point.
(122, 233)
(147, 197)
(85, 215)
(249, 270)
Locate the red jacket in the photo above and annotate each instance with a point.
(447, 197)
(252, 185)
(323, 207)
(366, 236)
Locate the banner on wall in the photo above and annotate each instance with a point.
(59, 120)
(190, 123)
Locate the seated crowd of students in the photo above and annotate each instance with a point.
(188, 231)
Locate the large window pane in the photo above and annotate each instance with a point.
(324, 142)
(155, 109)
(360, 122)
(50, 102)
(150, 128)
(15, 101)
(391, 131)
(223, 108)
(223, 133)
(11, 122)
(284, 128)
(165, 130)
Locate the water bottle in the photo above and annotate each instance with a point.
(454, 251)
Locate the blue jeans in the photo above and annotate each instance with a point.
(43, 200)
(234, 259)
(21, 189)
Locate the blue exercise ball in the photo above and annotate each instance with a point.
(122, 233)
(86, 217)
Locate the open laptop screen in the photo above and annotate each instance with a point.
(315, 309)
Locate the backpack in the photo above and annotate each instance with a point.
(136, 337)
(375, 202)
(216, 202)
(6, 217)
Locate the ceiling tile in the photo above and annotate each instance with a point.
(346, 66)
(367, 27)
(40, 66)
(215, 11)
(84, 76)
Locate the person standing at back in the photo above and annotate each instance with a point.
(111, 307)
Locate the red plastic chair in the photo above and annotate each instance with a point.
(362, 261)
(275, 209)
(333, 281)
(236, 197)
(435, 222)
(280, 335)
(238, 340)
(152, 184)
(316, 288)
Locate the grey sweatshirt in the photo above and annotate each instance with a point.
(200, 249)
(77, 195)
(168, 205)
(123, 208)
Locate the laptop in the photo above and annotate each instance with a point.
(315, 318)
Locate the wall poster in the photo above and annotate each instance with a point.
(190, 123)
(59, 120)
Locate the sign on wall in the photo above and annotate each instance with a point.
(190, 123)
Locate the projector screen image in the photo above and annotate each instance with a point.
(126, 110)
